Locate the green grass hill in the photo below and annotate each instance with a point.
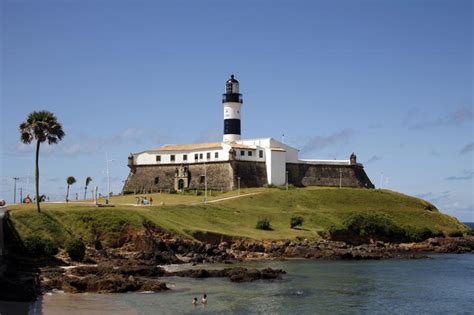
(321, 208)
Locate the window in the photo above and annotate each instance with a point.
(216, 155)
(260, 154)
(242, 152)
(200, 156)
(196, 156)
(185, 157)
(158, 158)
(202, 179)
(208, 155)
(249, 153)
(157, 180)
(172, 157)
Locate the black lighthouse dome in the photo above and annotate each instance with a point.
(232, 79)
(232, 91)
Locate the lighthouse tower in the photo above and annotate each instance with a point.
(232, 101)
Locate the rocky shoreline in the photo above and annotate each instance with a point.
(134, 266)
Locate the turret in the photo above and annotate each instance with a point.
(353, 159)
(232, 101)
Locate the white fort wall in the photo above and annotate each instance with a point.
(276, 167)
(149, 158)
(291, 154)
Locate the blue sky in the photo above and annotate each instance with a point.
(389, 80)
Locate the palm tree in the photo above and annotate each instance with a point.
(41, 126)
(70, 181)
(88, 181)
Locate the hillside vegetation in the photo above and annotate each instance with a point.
(323, 209)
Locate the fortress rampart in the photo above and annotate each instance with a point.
(225, 176)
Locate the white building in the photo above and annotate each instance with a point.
(275, 155)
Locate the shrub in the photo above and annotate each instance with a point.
(296, 221)
(50, 248)
(372, 225)
(173, 191)
(367, 226)
(264, 224)
(422, 234)
(455, 234)
(34, 246)
(76, 249)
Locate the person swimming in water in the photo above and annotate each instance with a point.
(195, 301)
(204, 299)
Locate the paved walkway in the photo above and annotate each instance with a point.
(228, 198)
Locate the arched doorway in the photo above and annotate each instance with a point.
(181, 184)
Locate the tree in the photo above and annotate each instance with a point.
(70, 181)
(88, 181)
(41, 126)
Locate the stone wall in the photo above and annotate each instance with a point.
(153, 178)
(327, 175)
(220, 176)
(224, 176)
(252, 174)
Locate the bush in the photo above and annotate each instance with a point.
(76, 249)
(422, 234)
(456, 234)
(365, 226)
(264, 224)
(36, 246)
(50, 248)
(173, 191)
(373, 225)
(296, 221)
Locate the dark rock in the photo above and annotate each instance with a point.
(237, 274)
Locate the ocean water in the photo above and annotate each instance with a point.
(443, 284)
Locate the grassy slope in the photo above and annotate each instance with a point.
(320, 207)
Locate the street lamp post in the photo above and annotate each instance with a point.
(340, 178)
(205, 182)
(108, 176)
(238, 186)
(95, 195)
(14, 188)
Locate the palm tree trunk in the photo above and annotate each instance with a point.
(85, 193)
(67, 194)
(37, 176)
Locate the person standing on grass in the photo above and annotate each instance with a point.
(151, 201)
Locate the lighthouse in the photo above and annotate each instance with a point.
(232, 101)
